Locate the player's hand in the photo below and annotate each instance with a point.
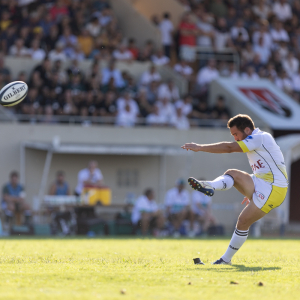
(246, 200)
(191, 146)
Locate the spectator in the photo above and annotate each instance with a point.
(239, 29)
(155, 118)
(282, 10)
(218, 8)
(89, 177)
(185, 104)
(57, 53)
(46, 23)
(256, 63)
(231, 72)
(94, 27)
(159, 59)
(180, 121)
(206, 32)
(14, 200)
(231, 17)
(201, 111)
(123, 54)
(177, 201)
(250, 74)
(201, 211)
(86, 42)
(187, 38)
(68, 40)
(278, 33)
(127, 99)
(247, 54)
(284, 82)
(166, 31)
(112, 74)
(290, 64)
(18, 49)
(222, 36)
(262, 10)
(183, 69)
(168, 90)
(60, 187)
(147, 52)
(126, 117)
(58, 10)
(77, 54)
(133, 48)
(145, 108)
(109, 106)
(220, 110)
(146, 215)
(167, 111)
(35, 51)
(127, 110)
(151, 75)
(263, 52)
(263, 33)
(207, 74)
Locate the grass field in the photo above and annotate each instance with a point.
(147, 269)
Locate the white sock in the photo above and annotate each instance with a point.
(222, 183)
(239, 237)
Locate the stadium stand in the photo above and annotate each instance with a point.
(53, 32)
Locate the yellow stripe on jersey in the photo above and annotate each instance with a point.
(276, 197)
(268, 177)
(283, 170)
(243, 146)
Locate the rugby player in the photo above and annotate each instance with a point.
(263, 190)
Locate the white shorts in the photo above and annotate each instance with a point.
(267, 196)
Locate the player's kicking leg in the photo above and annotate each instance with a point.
(243, 182)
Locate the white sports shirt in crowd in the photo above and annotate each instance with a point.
(177, 201)
(142, 204)
(85, 175)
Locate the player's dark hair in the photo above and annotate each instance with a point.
(241, 122)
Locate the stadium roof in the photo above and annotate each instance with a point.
(116, 149)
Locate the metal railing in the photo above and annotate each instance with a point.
(88, 121)
(226, 54)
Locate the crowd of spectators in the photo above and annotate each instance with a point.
(264, 33)
(178, 215)
(55, 31)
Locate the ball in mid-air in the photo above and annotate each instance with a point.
(13, 93)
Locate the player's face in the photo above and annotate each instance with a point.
(237, 134)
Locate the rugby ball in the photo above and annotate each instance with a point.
(13, 93)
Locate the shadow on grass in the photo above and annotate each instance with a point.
(239, 268)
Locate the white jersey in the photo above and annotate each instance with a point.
(142, 204)
(265, 158)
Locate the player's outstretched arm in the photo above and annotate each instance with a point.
(223, 147)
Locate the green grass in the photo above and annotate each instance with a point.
(147, 269)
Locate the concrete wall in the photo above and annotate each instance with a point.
(158, 7)
(133, 24)
(196, 164)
